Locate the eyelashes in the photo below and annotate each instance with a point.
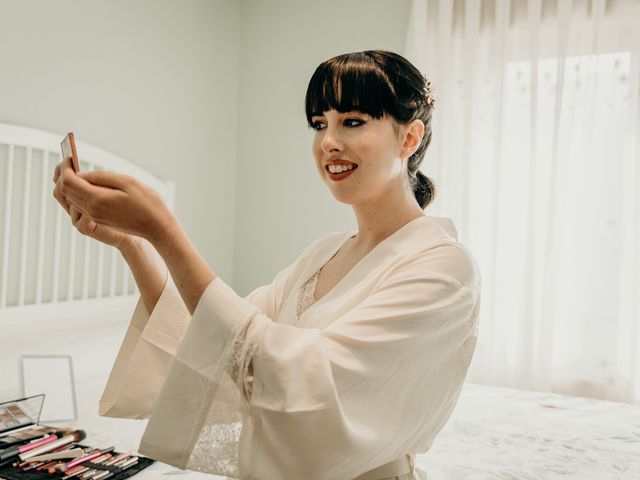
(356, 120)
(349, 122)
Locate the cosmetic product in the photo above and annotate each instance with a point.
(26, 465)
(111, 462)
(130, 464)
(73, 437)
(21, 414)
(31, 450)
(46, 465)
(80, 469)
(72, 453)
(87, 458)
(106, 473)
(92, 472)
(17, 450)
(21, 441)
(20, 420)
(119, 458)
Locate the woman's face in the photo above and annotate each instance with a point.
(371, 145)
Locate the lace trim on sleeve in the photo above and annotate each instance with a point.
(229, 419)
(217, 447)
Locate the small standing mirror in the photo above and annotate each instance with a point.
(53, 376)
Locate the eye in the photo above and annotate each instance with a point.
(357, 120)
(316, 125)
(349, 122)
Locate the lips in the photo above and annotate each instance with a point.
(342, 175)
(339, 161)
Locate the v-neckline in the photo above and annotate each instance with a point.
(313, 293)
(357, 265)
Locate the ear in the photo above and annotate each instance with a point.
(412, 138)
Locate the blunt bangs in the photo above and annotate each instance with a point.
(350, 82)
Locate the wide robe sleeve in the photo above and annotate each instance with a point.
(378, 382)
(152, 341)
(146, 353)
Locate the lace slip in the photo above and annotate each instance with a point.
(305, 297)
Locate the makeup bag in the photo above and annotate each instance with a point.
(19, 419)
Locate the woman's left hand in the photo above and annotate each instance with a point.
(119, 201)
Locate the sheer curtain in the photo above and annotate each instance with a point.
(535, 155)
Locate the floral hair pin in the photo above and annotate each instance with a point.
(428, 92)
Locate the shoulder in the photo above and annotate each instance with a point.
(454, 260)
(434, 249)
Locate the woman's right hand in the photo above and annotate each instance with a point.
(84, 224)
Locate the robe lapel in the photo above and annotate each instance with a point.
(412, 235)
(386, 249)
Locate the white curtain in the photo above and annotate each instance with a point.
(535, 154)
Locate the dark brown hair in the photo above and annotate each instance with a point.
(378, 83)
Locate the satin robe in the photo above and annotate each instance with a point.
(370, 372)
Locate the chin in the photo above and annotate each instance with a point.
(342, 198)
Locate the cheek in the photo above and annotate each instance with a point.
(369, 149)
(317, 154)
(369, 144)
(315, 147)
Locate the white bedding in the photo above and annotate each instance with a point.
(494, 432)
(510, 434)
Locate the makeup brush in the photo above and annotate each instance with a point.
(119, 458)
(72, 437)
(28, 465)
(10, 454)
(18, 449)
(73, 453)
(22, 441)
(124, 466)
(87, 458)
(80, 470)
(123, 457)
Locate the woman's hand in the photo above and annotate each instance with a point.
(117, 201)
(125, 205)
(83, 223)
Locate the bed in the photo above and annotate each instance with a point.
(510, 434)
(47, 294)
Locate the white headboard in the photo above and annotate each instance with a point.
(44, 260)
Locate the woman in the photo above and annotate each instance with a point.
(353, 358)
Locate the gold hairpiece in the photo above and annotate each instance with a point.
(428, 92)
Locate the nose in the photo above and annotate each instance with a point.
(331, 140)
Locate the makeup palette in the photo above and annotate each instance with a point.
(30, 451)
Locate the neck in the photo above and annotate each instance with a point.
(382, 217)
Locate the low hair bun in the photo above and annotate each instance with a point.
(423, 189)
